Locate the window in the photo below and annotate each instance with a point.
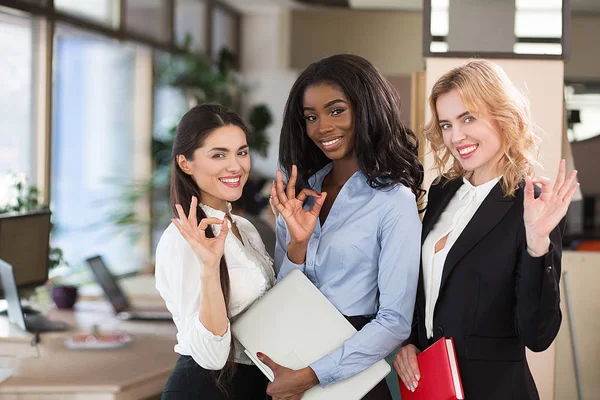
(148, 18)
(94, 147)
(584, 109)
(103, 11)
(17, 144)
(190, 20)
(224, 31)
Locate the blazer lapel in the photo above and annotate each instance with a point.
(433, 214)
(431, 217)
(488, 215)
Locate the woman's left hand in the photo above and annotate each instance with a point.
(543, 214)
(289, 384)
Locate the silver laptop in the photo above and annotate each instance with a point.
(295, 325)
(35, 323)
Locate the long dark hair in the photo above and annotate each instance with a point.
(193, 129)
(386, 149)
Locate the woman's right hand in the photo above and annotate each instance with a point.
(300, 222)
(407, 367)
(208, 250)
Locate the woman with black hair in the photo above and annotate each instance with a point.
(211, 264)
(353, 228)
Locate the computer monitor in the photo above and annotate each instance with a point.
(25, 244)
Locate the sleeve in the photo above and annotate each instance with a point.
(282, 262)
(400, 239)
(538, 315)
(413, 338)
(178, 282)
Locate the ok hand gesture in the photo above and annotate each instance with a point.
(208, 250)
(543, 214)
(300, 222)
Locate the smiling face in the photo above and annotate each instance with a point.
(475, 142)
(329, 120)
(220, 167)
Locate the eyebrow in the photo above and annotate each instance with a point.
(328, 104)
(225, 150)
(460, 116)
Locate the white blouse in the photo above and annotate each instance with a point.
(452, 222)
(178, 282)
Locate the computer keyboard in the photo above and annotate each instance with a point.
(39, 323)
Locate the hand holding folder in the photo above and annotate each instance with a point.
(439, 375)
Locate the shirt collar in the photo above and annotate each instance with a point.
(480, 191)
(212, 213)
(316, 180)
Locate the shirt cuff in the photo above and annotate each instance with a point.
(205, 333)
(327, 370)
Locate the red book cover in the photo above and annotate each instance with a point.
(440, 378)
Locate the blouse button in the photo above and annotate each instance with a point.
(310, 263)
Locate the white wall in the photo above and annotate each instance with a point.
(265, 66)
(392, 40)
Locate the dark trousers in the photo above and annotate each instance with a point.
(189, 381)
(381, 391)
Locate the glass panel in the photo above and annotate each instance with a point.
(538, 23)
(439, 22)
(169, 106)
(17, 144)
(499, 26)
(538, 48)
(190, 18)
(93, 148)
(587, 122)
(224, 31)
(438, 47)
(148, 18)
(102, 11)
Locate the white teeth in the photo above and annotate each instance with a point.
(234, 180)
(467, 150)
(331, 142)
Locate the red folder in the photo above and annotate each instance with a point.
(440, 378)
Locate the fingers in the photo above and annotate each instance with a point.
(224, 230)
(316, 209)
(280, 186)
(560, 178)
(268, 362)
(182, 217)
(291, 186)
(567, 185)
(529, 192)
(407, 367)
(307, 192)
(181, 230)
(275, 200)
(413, 366)
(209, 221)
(544, 182)
(570, 193)
(193, 207)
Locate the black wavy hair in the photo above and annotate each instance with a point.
(386, 149)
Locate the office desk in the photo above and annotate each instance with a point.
(136, 371)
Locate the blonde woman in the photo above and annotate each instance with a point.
(491, 252)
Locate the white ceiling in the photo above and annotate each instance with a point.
(265, 5)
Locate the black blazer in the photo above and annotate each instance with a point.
(494, 297)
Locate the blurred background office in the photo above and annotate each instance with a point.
(91, 90)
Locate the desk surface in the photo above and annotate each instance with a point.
(137, 370)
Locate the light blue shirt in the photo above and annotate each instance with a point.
(365, 260)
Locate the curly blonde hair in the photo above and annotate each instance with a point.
(486, 89)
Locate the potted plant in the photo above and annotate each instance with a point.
(21, 198)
